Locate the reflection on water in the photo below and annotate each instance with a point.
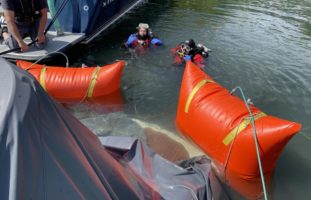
(262, 46)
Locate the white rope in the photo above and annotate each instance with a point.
(54, 52)
(255, 139)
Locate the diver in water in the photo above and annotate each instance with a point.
(143, 37)
(188, 50)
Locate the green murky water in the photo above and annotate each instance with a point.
(262, 46)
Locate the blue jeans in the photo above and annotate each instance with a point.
(25, 30)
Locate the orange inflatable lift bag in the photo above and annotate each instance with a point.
(218, 122)
(76, 84)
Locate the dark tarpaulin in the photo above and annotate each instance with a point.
(191, 179)
(46, 153)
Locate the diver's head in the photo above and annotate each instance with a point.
(185, 48)
(142, 30)
(191, 43)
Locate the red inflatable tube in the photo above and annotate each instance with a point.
(218, 122)
(76, 84)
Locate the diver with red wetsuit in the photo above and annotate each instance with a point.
(188, 50)
(143, 37)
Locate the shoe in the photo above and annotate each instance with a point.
(3, 26)
(3, 21)
(3, 30)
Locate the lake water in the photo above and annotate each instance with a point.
(262, 46)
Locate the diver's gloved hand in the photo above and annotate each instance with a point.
(130, 40)
(156, 41)
(187, 57)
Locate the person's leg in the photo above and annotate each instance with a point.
(10, 41)
(8, 38)
(4, 32)
(3, 26)
(33, 35)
